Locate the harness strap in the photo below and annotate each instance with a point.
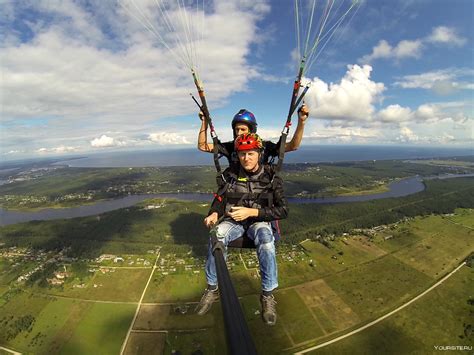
(281, 151)
(263, 199)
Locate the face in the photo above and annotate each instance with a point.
(241, 128)
(249, 160)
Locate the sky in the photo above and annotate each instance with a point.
(90, 76)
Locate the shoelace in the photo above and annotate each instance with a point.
(209, 294)
(270, 303)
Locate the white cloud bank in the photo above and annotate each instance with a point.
(84, 70)
(446, 35)
(167, 138)
(95, 68)
(103, 142)
(404, 49)
(442, 82)
(352, 111)
(57, 150)
(413, 48)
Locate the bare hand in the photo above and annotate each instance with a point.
(211, 220)
(201, 115)
(238, 213)
(303, 112)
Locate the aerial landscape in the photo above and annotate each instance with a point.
(110, 172)
(73, 285)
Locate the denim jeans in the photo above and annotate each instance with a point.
(261, 234)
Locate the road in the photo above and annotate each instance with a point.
(124, 345)
(10, 351)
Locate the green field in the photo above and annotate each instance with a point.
(53, 324)
(125, 285)
(102, 328)
(299, 324)
(445, 162)
(443, 247)
(63, 325)
(439, 318)
(463, 218)
(175, 288)
(380, 274)
(176, 331)
(373, 280)
(146, 344)
(374, 288)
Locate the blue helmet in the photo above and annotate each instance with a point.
(245, 117)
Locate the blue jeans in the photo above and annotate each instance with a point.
(262, 236)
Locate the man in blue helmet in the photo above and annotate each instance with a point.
(244, 122)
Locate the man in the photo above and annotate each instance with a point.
(244, 122)
(252, 198)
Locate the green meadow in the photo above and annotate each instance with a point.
(441, 318)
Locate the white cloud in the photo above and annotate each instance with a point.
(395, 113)
(271, 134)
(64, 149)
(103, 142)
(57, 150)
(413, 48)
(167, 138)
(444, 87)
(425, 113)
(338, 134)
(381, 50)
(442, 82)
(404, 49)
(446, 35)
(407, 135)
(456, 112)
(447, 138)
(351, 99)
(12, 152)
(324, 132)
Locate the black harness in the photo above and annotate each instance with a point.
(257, 189)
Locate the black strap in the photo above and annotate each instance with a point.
(295, 100)
(263, 199)
(207, 116)
(281, 151)
(215, 151)
(238, 335)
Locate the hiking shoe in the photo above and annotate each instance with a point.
(269, 314)
(206, 301)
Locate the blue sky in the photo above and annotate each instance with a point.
(86, 76)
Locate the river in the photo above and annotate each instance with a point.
(398, 188)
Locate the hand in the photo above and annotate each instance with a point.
(238, 213)
(303, 113)
(211, 220)
(201, 115)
